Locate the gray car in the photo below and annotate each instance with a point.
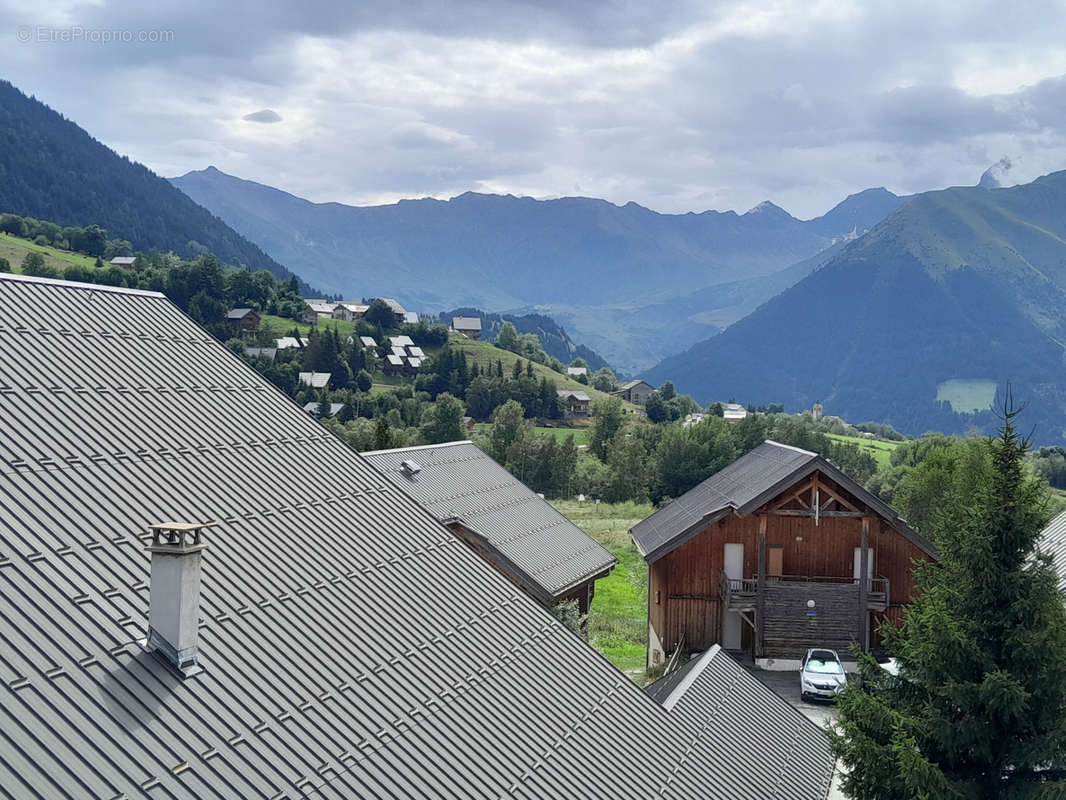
(822, 675)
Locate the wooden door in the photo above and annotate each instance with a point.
(775, 561)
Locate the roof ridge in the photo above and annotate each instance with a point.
(412, 448)
(678, 691)
(95, 287)
(790, 447)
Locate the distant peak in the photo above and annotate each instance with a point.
(766, 207)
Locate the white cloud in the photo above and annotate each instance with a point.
(675, 107)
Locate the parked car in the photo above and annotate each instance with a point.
(822, 675)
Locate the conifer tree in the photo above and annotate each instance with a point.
(979, 708)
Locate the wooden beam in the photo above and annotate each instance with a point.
(837, 497)
(760, 591)
(796, 495)
(864, 569)
(809, 512)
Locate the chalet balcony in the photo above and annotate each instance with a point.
(741, 594)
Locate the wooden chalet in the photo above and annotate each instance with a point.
(243, 318)
(766, 556)
(636, 392)
(575, 403)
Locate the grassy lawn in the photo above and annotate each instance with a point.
(618, 617)
(15, 249)
(581, 435)
(878, 448)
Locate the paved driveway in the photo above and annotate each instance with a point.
(786, 685)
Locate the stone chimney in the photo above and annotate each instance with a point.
(174, 595)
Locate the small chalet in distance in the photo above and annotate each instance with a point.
(636, 392)
(470, 327)
(244, 318)
(125, 262)
(575, 403)
(766, 556)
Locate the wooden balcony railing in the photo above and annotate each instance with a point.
(741, 592)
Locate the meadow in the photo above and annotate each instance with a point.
(618, 616)
(880, 449)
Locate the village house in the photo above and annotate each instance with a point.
(349, 312)
(288, 342)
(316, 380)
(123, 262)
(575, 403)
(393, 364)
(243, 318)
(577, 372)
(410, 317)
(501, 519)
(734, 412)
(399, 311)
(313, 409)
(368, 342)
(470, 327)
(190, 613)
(636, 392)
(766, 555)
(269, 353)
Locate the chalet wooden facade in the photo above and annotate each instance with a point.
(766, 557)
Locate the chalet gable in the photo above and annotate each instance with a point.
(773, 478)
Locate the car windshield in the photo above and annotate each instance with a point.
(821, 667)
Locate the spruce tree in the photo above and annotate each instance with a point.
(979, 707)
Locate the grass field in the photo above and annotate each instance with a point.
(967, 396)
(15, 249)
(618, 617)
(878, 448)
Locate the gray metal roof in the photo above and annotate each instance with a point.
(352, 646)
(1053, 543)
(577, 394)
(460, 481)
(238, 313)
(466, 323)
(742, 487)
(625, 387)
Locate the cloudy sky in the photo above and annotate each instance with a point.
(678, 106)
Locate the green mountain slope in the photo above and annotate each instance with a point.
(553, 337)
(52, 169)
(954, 294)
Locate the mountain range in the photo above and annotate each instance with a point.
(610, 274)
(920, 323)
(51, 169)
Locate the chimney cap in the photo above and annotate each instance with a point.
(409, 467)
(178, 537)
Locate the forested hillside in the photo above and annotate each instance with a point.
(917, 324)
(52, 169)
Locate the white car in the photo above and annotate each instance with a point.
(822, 675)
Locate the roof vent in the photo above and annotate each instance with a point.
(174, 597)
(409, 468)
